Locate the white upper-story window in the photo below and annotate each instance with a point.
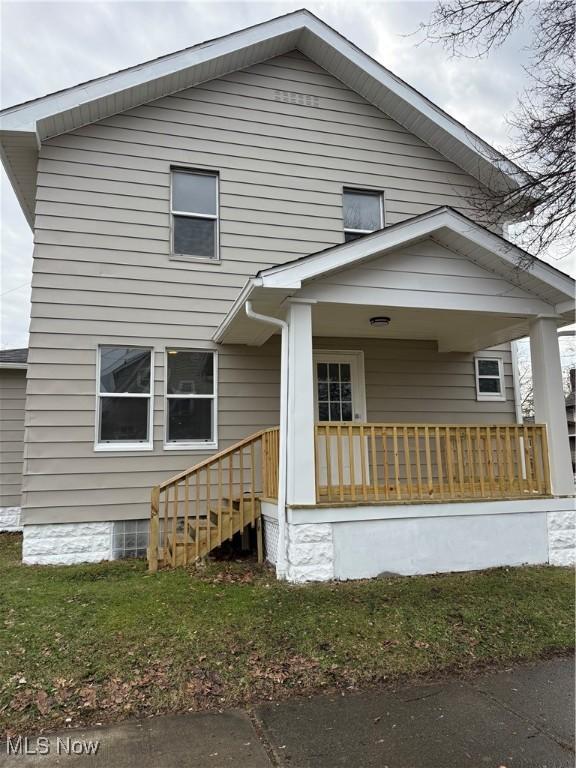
(363, 212)
(489, 378)
(190, 398)
(194, 201)
(124, 401)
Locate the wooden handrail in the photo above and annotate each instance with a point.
(430, 462)
(198, 509)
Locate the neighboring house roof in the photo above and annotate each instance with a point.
(13, 358)
(24, 126)
(548, 290)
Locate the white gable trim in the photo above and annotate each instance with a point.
(294, 274)
(94, 100)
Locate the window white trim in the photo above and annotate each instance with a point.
(367, 191)
(191, 215)
(113, 446)
(494, 396)
(192, 445)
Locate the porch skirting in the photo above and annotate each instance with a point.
(364, 542)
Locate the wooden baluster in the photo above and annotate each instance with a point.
(480, 462)
(460, 459)
(470, 472)
(520, 462)
(263, 466)
(490, 461)
(317, 462)
(231, 494)
(374, 464)
(340, 461)
(509, 463)
(175, 525)
(538, 464)
(328, 449)
(502, 481)
(363, 447)
(352, 464)
(153, 539)
(253, 480)
(208, 473)
(197, 516)
(241, 462)
(396, 462)
(545, 459)
(418, 462)
(450, 462)
(186, 513)
(439, 467)
(219, 500)
(528, 457)
(166, 520)
(407, 463)
(429, 473)
(384, 436)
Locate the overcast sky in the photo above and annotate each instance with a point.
(46, 46)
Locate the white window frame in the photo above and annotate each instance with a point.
(147, 445)
(494, 396)
(191, 445)
(367, 191)
(191, 215)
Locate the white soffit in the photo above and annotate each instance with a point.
(29, 123)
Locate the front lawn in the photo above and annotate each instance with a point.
(96, 643)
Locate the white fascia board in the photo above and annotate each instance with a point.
(25, 116)
(236, 308)
(13, 366)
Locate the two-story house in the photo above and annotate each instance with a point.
(263, 293)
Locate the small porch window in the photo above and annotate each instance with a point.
(489, 379)
(363, 212)
(124, 401)
(194, 214)
(190, 399)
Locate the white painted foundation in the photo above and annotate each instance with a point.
(10, 519)
(67, 543)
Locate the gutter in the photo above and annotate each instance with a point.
(282, 560)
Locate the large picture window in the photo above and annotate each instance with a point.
(190, 398)
(195, 214)
(363, 212)
(124, 408)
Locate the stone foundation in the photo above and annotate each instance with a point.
(310, 552)
(10, 519)
(67, 543)
(562, 538)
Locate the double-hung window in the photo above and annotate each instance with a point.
(489, 378)
(190, 398)
(195, 214)
(363, 212)
(124, 407)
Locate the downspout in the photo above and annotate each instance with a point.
(281, 561)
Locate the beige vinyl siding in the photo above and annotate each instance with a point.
(103, 272)
(12, 402)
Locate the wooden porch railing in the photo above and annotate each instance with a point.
(200, 508)
(412, 462)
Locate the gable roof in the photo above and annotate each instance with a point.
(551, 289)
(24, 126)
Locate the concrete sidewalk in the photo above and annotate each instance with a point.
(523, 717)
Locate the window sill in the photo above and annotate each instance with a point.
(197, 447)
(491, 398)
(194, 259)
(124, 447)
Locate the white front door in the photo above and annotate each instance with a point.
(339, 396)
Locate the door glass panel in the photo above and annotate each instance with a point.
(334, 396)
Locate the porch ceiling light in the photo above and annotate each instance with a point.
(380, 320)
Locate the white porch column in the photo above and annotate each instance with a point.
(549, 407)
(301, 485)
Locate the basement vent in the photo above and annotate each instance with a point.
(301, 99)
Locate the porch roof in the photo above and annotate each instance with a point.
(459, 321)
